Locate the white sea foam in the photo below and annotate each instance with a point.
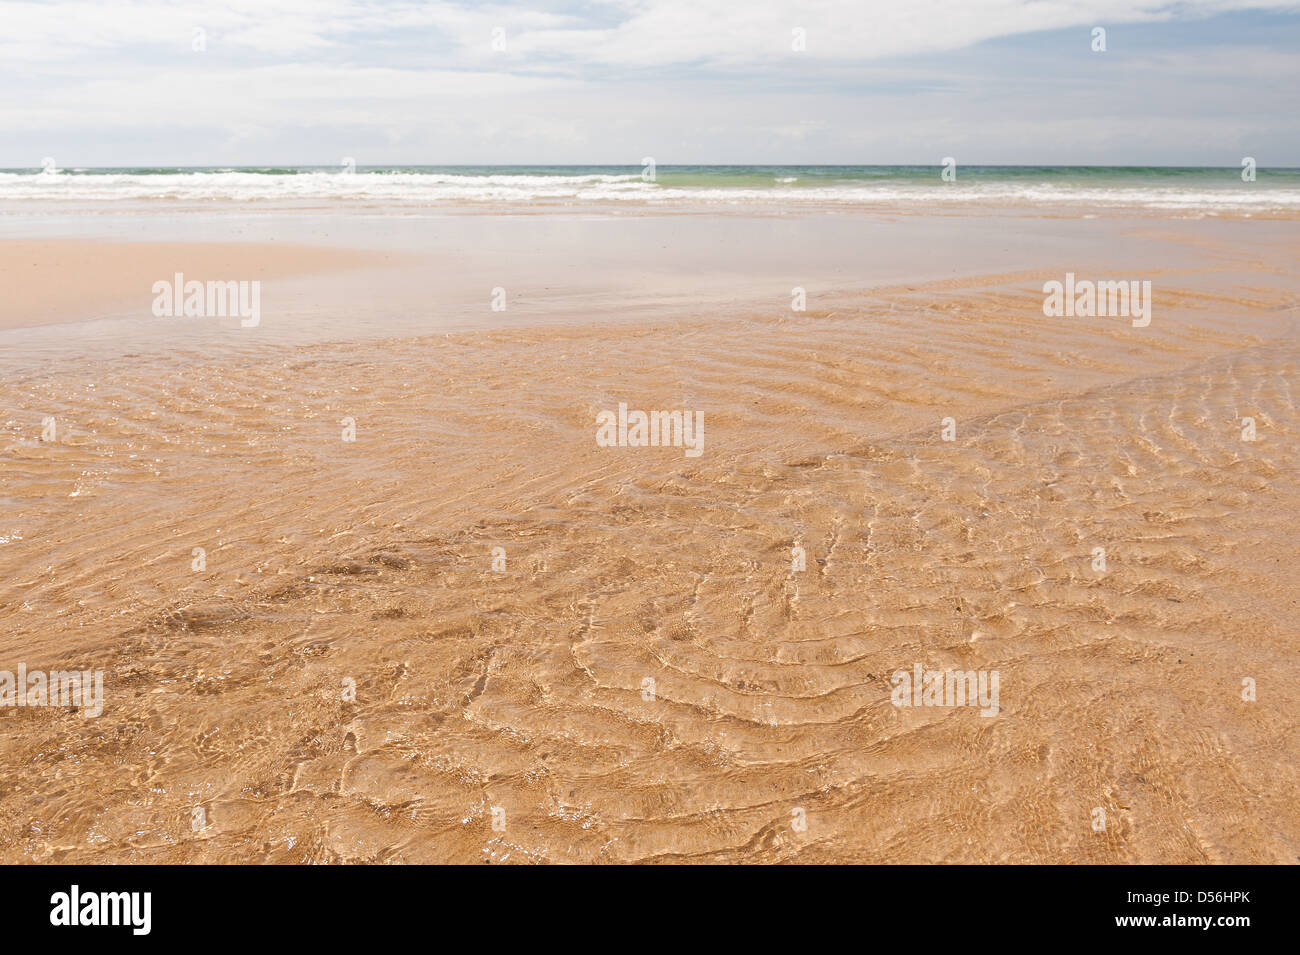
(435, 189)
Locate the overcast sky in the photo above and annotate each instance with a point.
(612, 81)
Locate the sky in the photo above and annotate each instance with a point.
(309, 82)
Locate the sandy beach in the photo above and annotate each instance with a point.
(56, 281)
(365, 587)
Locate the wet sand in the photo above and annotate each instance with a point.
(52, 281)
(349, 678)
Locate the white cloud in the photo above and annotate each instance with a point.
(690, 80)
(639, 34)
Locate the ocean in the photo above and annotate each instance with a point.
(1197, 190)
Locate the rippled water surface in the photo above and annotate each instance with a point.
(350, 678)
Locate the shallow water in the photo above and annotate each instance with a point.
(369, 563)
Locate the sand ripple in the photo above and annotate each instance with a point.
(329, 561)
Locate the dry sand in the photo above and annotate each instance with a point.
(370, 563)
